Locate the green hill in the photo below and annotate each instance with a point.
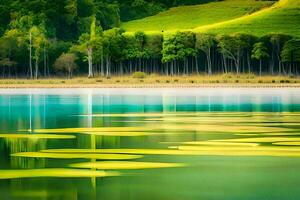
(282, 17)
(229, 16)
(190, 17)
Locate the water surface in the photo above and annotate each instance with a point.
(117, 144)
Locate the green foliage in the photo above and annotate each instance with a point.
(153, 45)
(66, 62)
(291, 51)
(191, 17)
(205, 42)
(260, 51)
(114, 44)
(6, 62)
(39, 40)
(140, 75)
(40, 32)
(283, 17)
(178, 46)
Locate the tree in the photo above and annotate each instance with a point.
(247, 46)
(169, 52)
(114, 44)
(66, 62)
(275, 43)
(88, 42)
(260, 52)
(38, 42)
(11, 43)
(153, 47)
(205, 43)
(232, 47)
(291, 53)
(178, 47)
(7, 63)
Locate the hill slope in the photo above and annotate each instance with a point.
(282, 17)
(229, 16)
(190, 17)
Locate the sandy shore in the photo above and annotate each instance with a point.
(170, 85)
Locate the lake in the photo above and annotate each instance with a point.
(133, 144)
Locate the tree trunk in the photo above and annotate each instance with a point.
(107, 65)
(225, 64)
(36, 68)
(102, 66)
(260, 67)
(30, 55)
(90, 61)
(197, 64)
(249, 63)
(209, 65)
(45, 62)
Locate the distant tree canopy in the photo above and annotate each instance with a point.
(68, 19)
(42, 37)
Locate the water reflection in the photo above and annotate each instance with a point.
(238, 137)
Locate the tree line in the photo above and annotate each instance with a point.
(68, 19)
(26, 50)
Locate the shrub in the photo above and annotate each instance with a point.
(139, 75)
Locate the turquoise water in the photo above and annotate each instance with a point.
(218, 144)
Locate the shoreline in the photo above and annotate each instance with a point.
(170, 85)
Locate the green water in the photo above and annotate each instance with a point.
(116, 144)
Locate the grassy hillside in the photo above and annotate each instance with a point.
(190, 17)
(283, 17)
(229, 16)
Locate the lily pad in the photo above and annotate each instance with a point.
(209, 143)
(287, 143)
(76, 156)
(119, 165)
(54, 172)
(95, 130)
(36, 136)
(262, 139)
(198, 151)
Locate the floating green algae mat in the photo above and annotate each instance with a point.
(97, 129)
(287, 143)
(211, 143)
(118, 134)
(76, 155)
(263, 139)
(162, 147)
(122, 165)
(36, 136)
(148, 130)
(54, 172)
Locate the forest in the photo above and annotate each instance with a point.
(82, 37)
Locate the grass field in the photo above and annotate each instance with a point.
(190, 17)
(283, 17)
(153, 81)
(228, 16)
